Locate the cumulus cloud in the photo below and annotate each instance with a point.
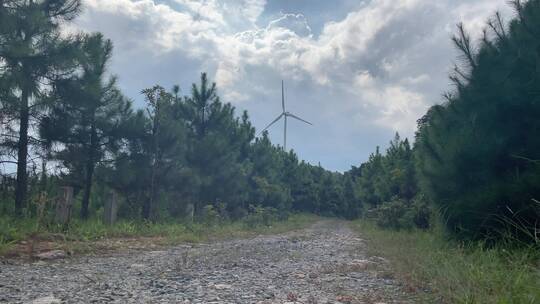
(297, 23)
(380, 65)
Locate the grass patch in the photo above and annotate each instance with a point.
(82, 236)
(443, 271)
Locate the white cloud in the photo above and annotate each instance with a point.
(297, 23)
(229, 14)
(414, 80)
(382, 64)
(351, 36)
(145, 24)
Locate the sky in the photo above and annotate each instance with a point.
(359, 70)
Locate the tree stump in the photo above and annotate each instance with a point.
(64, 205)
(111, 208)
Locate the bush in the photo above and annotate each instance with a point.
(518, 228)
(210, 215)
(263, 216)
(394, 215)
(421, 212)
(399, 214)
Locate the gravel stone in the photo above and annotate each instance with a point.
(325, 263)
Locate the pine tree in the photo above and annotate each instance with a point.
(86, 116)
(217, 141)
(473, 152)
(32, 52)
(165, 146)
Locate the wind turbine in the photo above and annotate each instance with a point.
(284, 115)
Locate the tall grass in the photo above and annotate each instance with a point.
(444, 271)
(13, 231)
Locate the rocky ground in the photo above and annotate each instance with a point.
(326, 263)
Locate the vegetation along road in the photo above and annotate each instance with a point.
(325, 263)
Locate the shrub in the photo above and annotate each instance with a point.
(421, 212)
(263, 216)
(210, 215)
(394, 215)
(399, 214)
(518, 228)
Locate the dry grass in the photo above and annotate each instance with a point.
(448, 272)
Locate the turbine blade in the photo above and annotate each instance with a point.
(273, 122)
(296, 117)
(282, 96)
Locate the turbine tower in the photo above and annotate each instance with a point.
(284, 115)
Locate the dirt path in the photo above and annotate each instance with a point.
(323, 264)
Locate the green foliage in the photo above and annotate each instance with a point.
(210, 216)
(82, 235)
(32, 52)
(386, 176)
(261, 216)
(178, 152)
(517, 228)
(444, 271)
(422, 212)
(85, 116)
(217, 146)
(476, 153)
(387, 183)
(176, 155)
(12, 231)
(394, 214)
(399, 214)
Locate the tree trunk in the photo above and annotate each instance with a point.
(43, 179)
(146, 209)
(87, 189)
(156, 157)
(148, 203)
(22, 176)
(90, 165)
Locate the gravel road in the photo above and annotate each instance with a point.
(325, 263)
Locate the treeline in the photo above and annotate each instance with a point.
(387, 187)
(474, 163)
(179, 155)
(476, 157)
(478, 152)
